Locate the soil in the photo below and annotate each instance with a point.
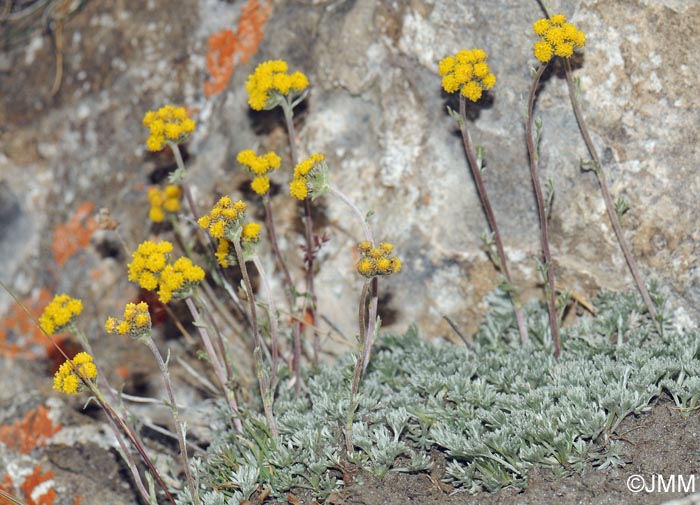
(661, 442)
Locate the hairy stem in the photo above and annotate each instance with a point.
(272, 316)
(359, 368)
(363, 220)
(269, 221)
(372, 321)
(609, 205)
(265, 392)
(544, 234)
(219, 370)
(310, 299)
(185, 187)
(176, 416)
(111, 413)
(491, 218)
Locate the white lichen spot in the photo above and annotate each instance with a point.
(41, 490)
(419, 39)
(35, 44)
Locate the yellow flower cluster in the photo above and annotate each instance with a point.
(225, 216)
(250, 234)
(148, 261)
(162, 201)
(150, 268)
(271, 78)
(136, 322)
(298, 188)
(59, 313)
(223, 249)
(169, 123)
(259, 166)
(468, 72)
(377, 260)
(67, 378)
(559, 38)
(177, 277)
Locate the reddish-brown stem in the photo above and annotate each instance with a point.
(359, 367)
(310, 300)
(296, 357)
(137, 444)
(609, 205)
(371, 322)
(265, 392)
(275, 247)
(219, 370)
(491, 218)
(272, 316)
(544, 235)
(148, 340)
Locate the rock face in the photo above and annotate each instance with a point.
(377, 111)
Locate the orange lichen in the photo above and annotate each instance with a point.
(19, 334)
(226, 49)
(7, 485)
(75, 235)
(30, 432)
(38, 488)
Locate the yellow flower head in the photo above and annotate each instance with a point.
(558, 38)
(261, 185)
(162, 201)
(136, 321)
(310, 176)
(223, 217)
(251, 232)
(68, 377)
(59, 313)
(178, 279)
(167, 124)
(298, 189)
(222, 252)
(270, 82)
(468, 73)
(377, 260)
(148, 261)
(304, 167)
(259, 166)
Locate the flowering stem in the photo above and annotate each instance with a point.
(491, 218)
(363, 220)
(275, 247)
(185, 187)
(609, 205)
(218, 367)
(271, 314)
(209, 313)
(308, 232)
(126, 454)
(370, 325)
(372, 322)
(359, 368)
(130, 462)
(111, 413)
(208, 294)
(265, 392)
(148, 340)
(544, 235)
(296, 356)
